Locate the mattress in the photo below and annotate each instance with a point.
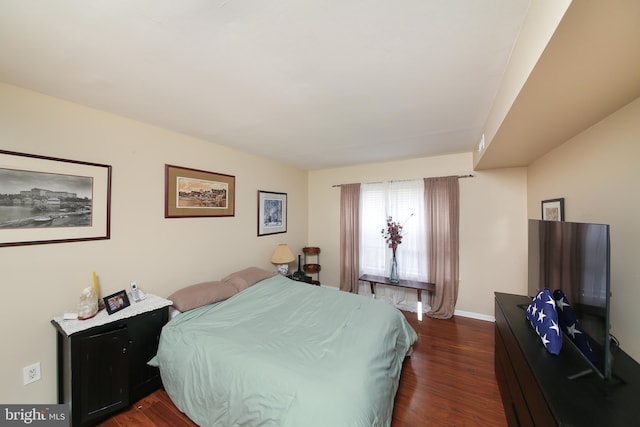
(286, 353)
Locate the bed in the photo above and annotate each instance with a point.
(270, 351)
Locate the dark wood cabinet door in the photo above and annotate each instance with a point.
(144, 336)
(103, 381)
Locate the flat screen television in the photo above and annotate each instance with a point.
(575, 258)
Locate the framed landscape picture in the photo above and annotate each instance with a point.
(272, 212)
(51, 200)
(198, 193)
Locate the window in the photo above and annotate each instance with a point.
(404, 202)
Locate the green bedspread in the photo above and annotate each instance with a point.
(285, 353)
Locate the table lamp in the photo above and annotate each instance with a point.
(282, 256)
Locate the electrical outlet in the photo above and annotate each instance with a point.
(31, 373)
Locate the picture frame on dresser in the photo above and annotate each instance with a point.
(52, 200)
(272, 212)
(116, 302)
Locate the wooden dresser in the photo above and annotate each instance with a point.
(534, 384)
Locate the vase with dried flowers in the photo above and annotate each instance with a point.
(392, 234)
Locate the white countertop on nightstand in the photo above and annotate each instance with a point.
(150, 303)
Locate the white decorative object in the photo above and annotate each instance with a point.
(88, 305)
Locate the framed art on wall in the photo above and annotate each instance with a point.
(553, 209)
(51, 200)
(272, 212)
(197, 193)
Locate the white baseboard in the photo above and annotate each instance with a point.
(473, 315)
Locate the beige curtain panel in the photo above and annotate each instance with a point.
(349, 237)
(442, 206)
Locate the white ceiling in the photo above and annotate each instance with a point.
(313, 83)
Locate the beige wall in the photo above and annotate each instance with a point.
(163, 254)
(541, 21)
(41, 281)
(597, 174)
(492, 223)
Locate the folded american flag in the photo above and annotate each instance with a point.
(544, 319)
(569, 324)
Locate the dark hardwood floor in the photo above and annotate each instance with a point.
(448, 381)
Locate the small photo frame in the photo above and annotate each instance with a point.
(116, 302)
(272, 213)
(553, 209)
(198, 193)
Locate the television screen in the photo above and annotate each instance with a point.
(574, 258)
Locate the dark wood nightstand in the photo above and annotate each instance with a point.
(102, 361)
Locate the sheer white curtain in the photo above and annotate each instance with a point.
(404, 201)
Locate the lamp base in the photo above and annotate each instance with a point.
(283, 269)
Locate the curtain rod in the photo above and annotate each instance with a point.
(470, 175)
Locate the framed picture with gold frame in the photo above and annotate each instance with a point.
(198, 193)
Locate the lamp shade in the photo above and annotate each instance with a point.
(282, 255)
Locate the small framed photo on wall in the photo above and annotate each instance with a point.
(272, 213)
(553, 209)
